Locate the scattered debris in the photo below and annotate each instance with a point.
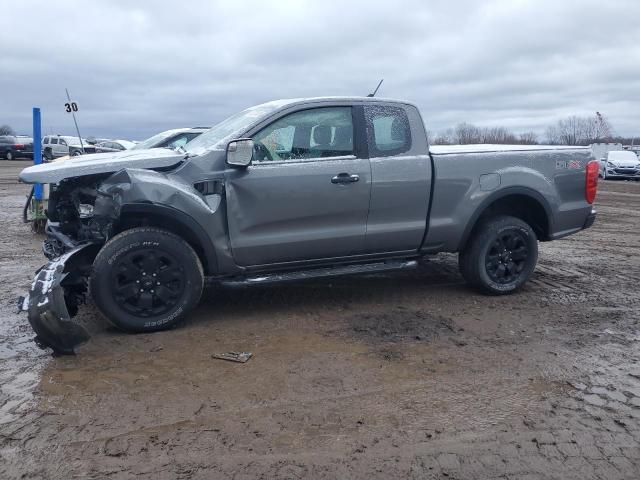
(239, 357)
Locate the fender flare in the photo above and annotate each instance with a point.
(497, 195)
(185, 221)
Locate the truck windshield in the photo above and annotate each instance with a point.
(236, 124)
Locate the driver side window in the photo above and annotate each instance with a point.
(315, 133)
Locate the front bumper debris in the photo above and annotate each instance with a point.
(57, 290)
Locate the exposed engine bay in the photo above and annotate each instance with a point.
(73, 213)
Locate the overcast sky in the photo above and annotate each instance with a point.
(136, 68)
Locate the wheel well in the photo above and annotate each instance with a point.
(149, 219)
(521, 206)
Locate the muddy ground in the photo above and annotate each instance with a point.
(409, 375)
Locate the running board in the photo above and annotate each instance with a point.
(319, 273)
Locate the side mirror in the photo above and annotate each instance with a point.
(240, 152)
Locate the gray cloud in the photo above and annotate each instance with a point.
(137, 68)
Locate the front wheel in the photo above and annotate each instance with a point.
(500, 256)
(146, 279)
(9, 155)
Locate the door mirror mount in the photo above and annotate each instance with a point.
(240, 152)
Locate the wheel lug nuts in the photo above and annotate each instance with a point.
(152, 291)
(154, 274)
(137, 281)
(157, 283)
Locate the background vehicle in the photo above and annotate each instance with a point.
(620, 164)
(178, 137)
(12, 147)
(291, 190)
(108, 146)
(54, 146)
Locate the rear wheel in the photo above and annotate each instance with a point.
(146, 279)
(500, 256)
(9, 155)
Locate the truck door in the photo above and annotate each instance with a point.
(306, 194)
(401, 178)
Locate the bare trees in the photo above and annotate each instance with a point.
(6, 130)
(576, 130)
(466, 133)
(573, 130)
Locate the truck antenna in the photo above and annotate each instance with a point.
(376, 90)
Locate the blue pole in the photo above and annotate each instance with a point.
(37, 149)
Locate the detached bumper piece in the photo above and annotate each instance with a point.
(57, 290)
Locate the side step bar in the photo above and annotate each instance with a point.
(319, 273)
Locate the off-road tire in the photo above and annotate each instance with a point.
(121, 252)
(473, 259)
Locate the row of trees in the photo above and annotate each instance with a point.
(466, 133)
(572, 130)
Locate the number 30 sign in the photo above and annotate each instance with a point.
(71, 107)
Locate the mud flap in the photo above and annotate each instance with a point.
(52, 302)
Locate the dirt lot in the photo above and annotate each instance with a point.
(408, 375)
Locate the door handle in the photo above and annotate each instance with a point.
(345, 178)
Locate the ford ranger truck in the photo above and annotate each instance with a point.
(286, 191)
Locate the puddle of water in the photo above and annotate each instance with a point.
(21, 363)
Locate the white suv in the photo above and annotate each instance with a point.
(54, 146)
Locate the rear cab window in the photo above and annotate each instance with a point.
(388, 130)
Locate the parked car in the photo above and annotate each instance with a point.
(54, 146)
(287, 191)
(110, 146)
(620, 164)
(16, 146)
(177, 137)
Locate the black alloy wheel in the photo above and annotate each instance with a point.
(148, 282)
(507, 257)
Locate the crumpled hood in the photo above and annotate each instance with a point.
(97, 163)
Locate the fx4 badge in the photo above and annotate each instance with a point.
(572, 164)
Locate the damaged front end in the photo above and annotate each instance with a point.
(83, 214)
(74, 237)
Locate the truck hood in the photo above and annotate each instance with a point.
(624, 162)
(100, 163)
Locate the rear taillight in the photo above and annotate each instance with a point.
(19, 145)
(591, 181)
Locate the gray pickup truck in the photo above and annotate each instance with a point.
(292, 190)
